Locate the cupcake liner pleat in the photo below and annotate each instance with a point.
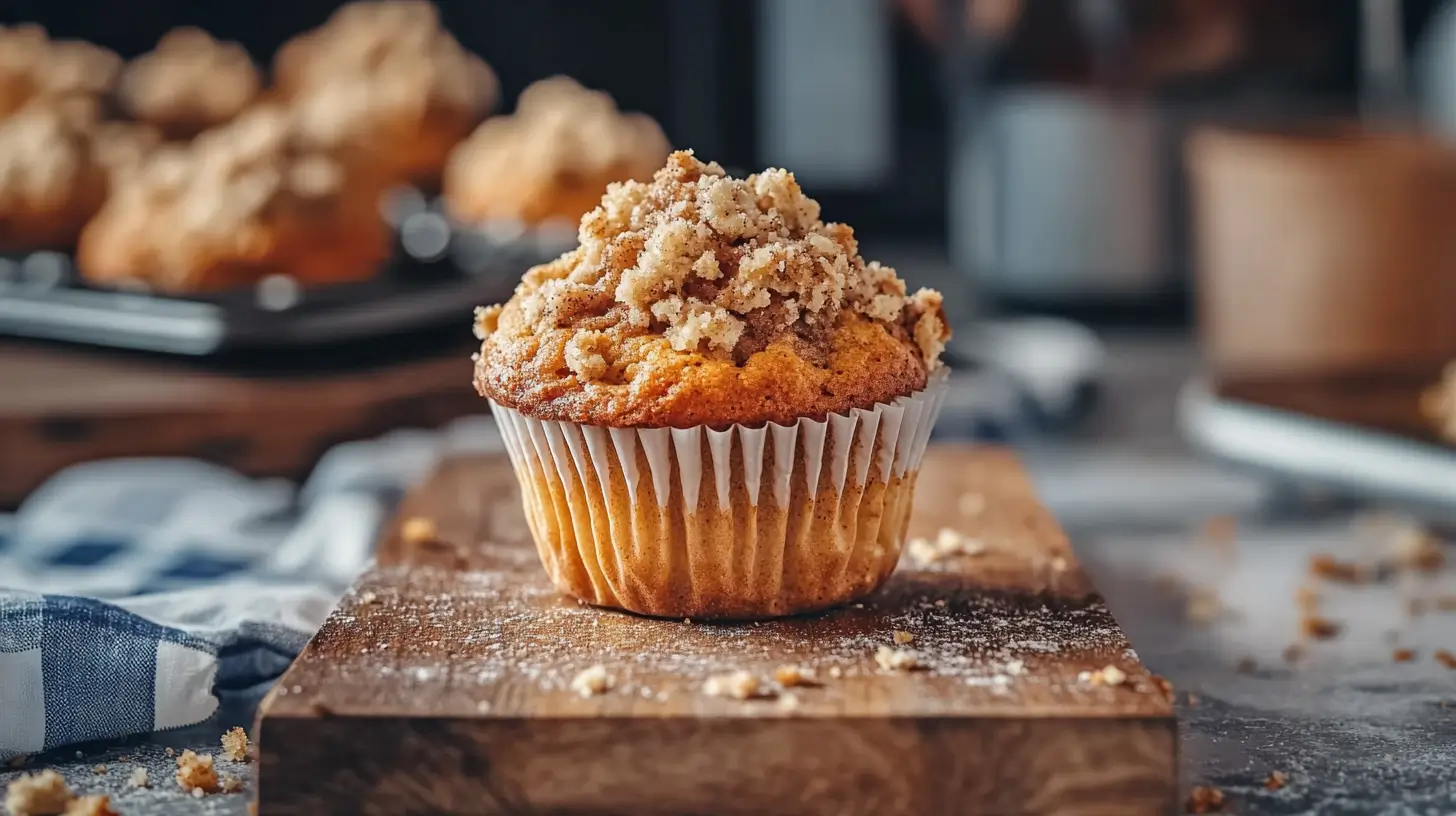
(732, 522)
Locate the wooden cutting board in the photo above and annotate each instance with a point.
(442, 682)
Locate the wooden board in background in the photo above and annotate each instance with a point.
(441, 683)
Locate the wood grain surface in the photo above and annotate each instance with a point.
(61, 406)
(442, 683)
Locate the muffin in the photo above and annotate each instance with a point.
(715, 407)
(38, 71)
(553, 158)
(386, 80)
(239, 203)
(50, 184)
(189, 83)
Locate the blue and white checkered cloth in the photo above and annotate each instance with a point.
(137, 594)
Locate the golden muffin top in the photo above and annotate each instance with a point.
(703, 299)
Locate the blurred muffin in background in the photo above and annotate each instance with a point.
(68, 75)
(241, 202)
(122, 148)
(50, 184)
(385, 80)
(553, 158)
(189, 83)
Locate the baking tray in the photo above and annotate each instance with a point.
(440, 269)
(1360, 434)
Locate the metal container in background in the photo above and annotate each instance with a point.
(1062, 196)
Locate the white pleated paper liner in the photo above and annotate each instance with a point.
(891, 438)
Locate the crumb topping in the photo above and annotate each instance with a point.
(190, 77)
(561, 135)
(195, 773)
(948, 543)
(42, 160)
(235, 745)
(398, 50)
(38, 794)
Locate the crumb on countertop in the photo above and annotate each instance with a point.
(790, 676)
(39, 794)
(419, 530)
(889, 659)
(1330, 568)
(195, 773)
(1276, 780)
(235, 745)
(1445, 658)
(740, 685)
(902, 638)
(1319, 628)
(1403, 655)
(788, 700)
(591, 681)
(99, 769)
(948, 543)
(1293, 653)
(1204, 605)
(1205, 799)
(95, 805)
(1108, 675)
(229, 784)
(139, 778)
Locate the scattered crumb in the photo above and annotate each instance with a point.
(96, 805)
(1204, 605)
(482, 706)
(690, 620)
(971, 504)
(1445, 658)
(1192, 699)
(1163, 685)
(229, 784)
(171, 753)
(138, 778)
(947, 544)
(418, 530)
(790, 676)
(368, 598)
(1015, 668)
(940, 602)
(99, 769)
(1108, 675)
(195, 773)
(1413, 548)
(198, 793)
(1276, 780)
(1246, 665)
(235, 745)
(890, 659)
(740, 685)
(1293, 653)
(38, 794)
(836, 672)
(1320, 628)
(1307, 598)
(590, 681)
(1332, 569)
(1403, 655)
(788, 700)
(903, 638)
(1205, 799)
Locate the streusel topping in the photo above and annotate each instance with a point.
(34, 68)
(736, 278)
(562, 130)
(42, 159)
(190, 76)
(398, 41)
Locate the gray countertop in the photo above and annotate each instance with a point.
(1354, 731)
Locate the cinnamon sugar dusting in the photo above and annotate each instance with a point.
(697, 269)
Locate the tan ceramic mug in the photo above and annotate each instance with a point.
(1324, 253)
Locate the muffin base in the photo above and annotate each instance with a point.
(736, 524)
